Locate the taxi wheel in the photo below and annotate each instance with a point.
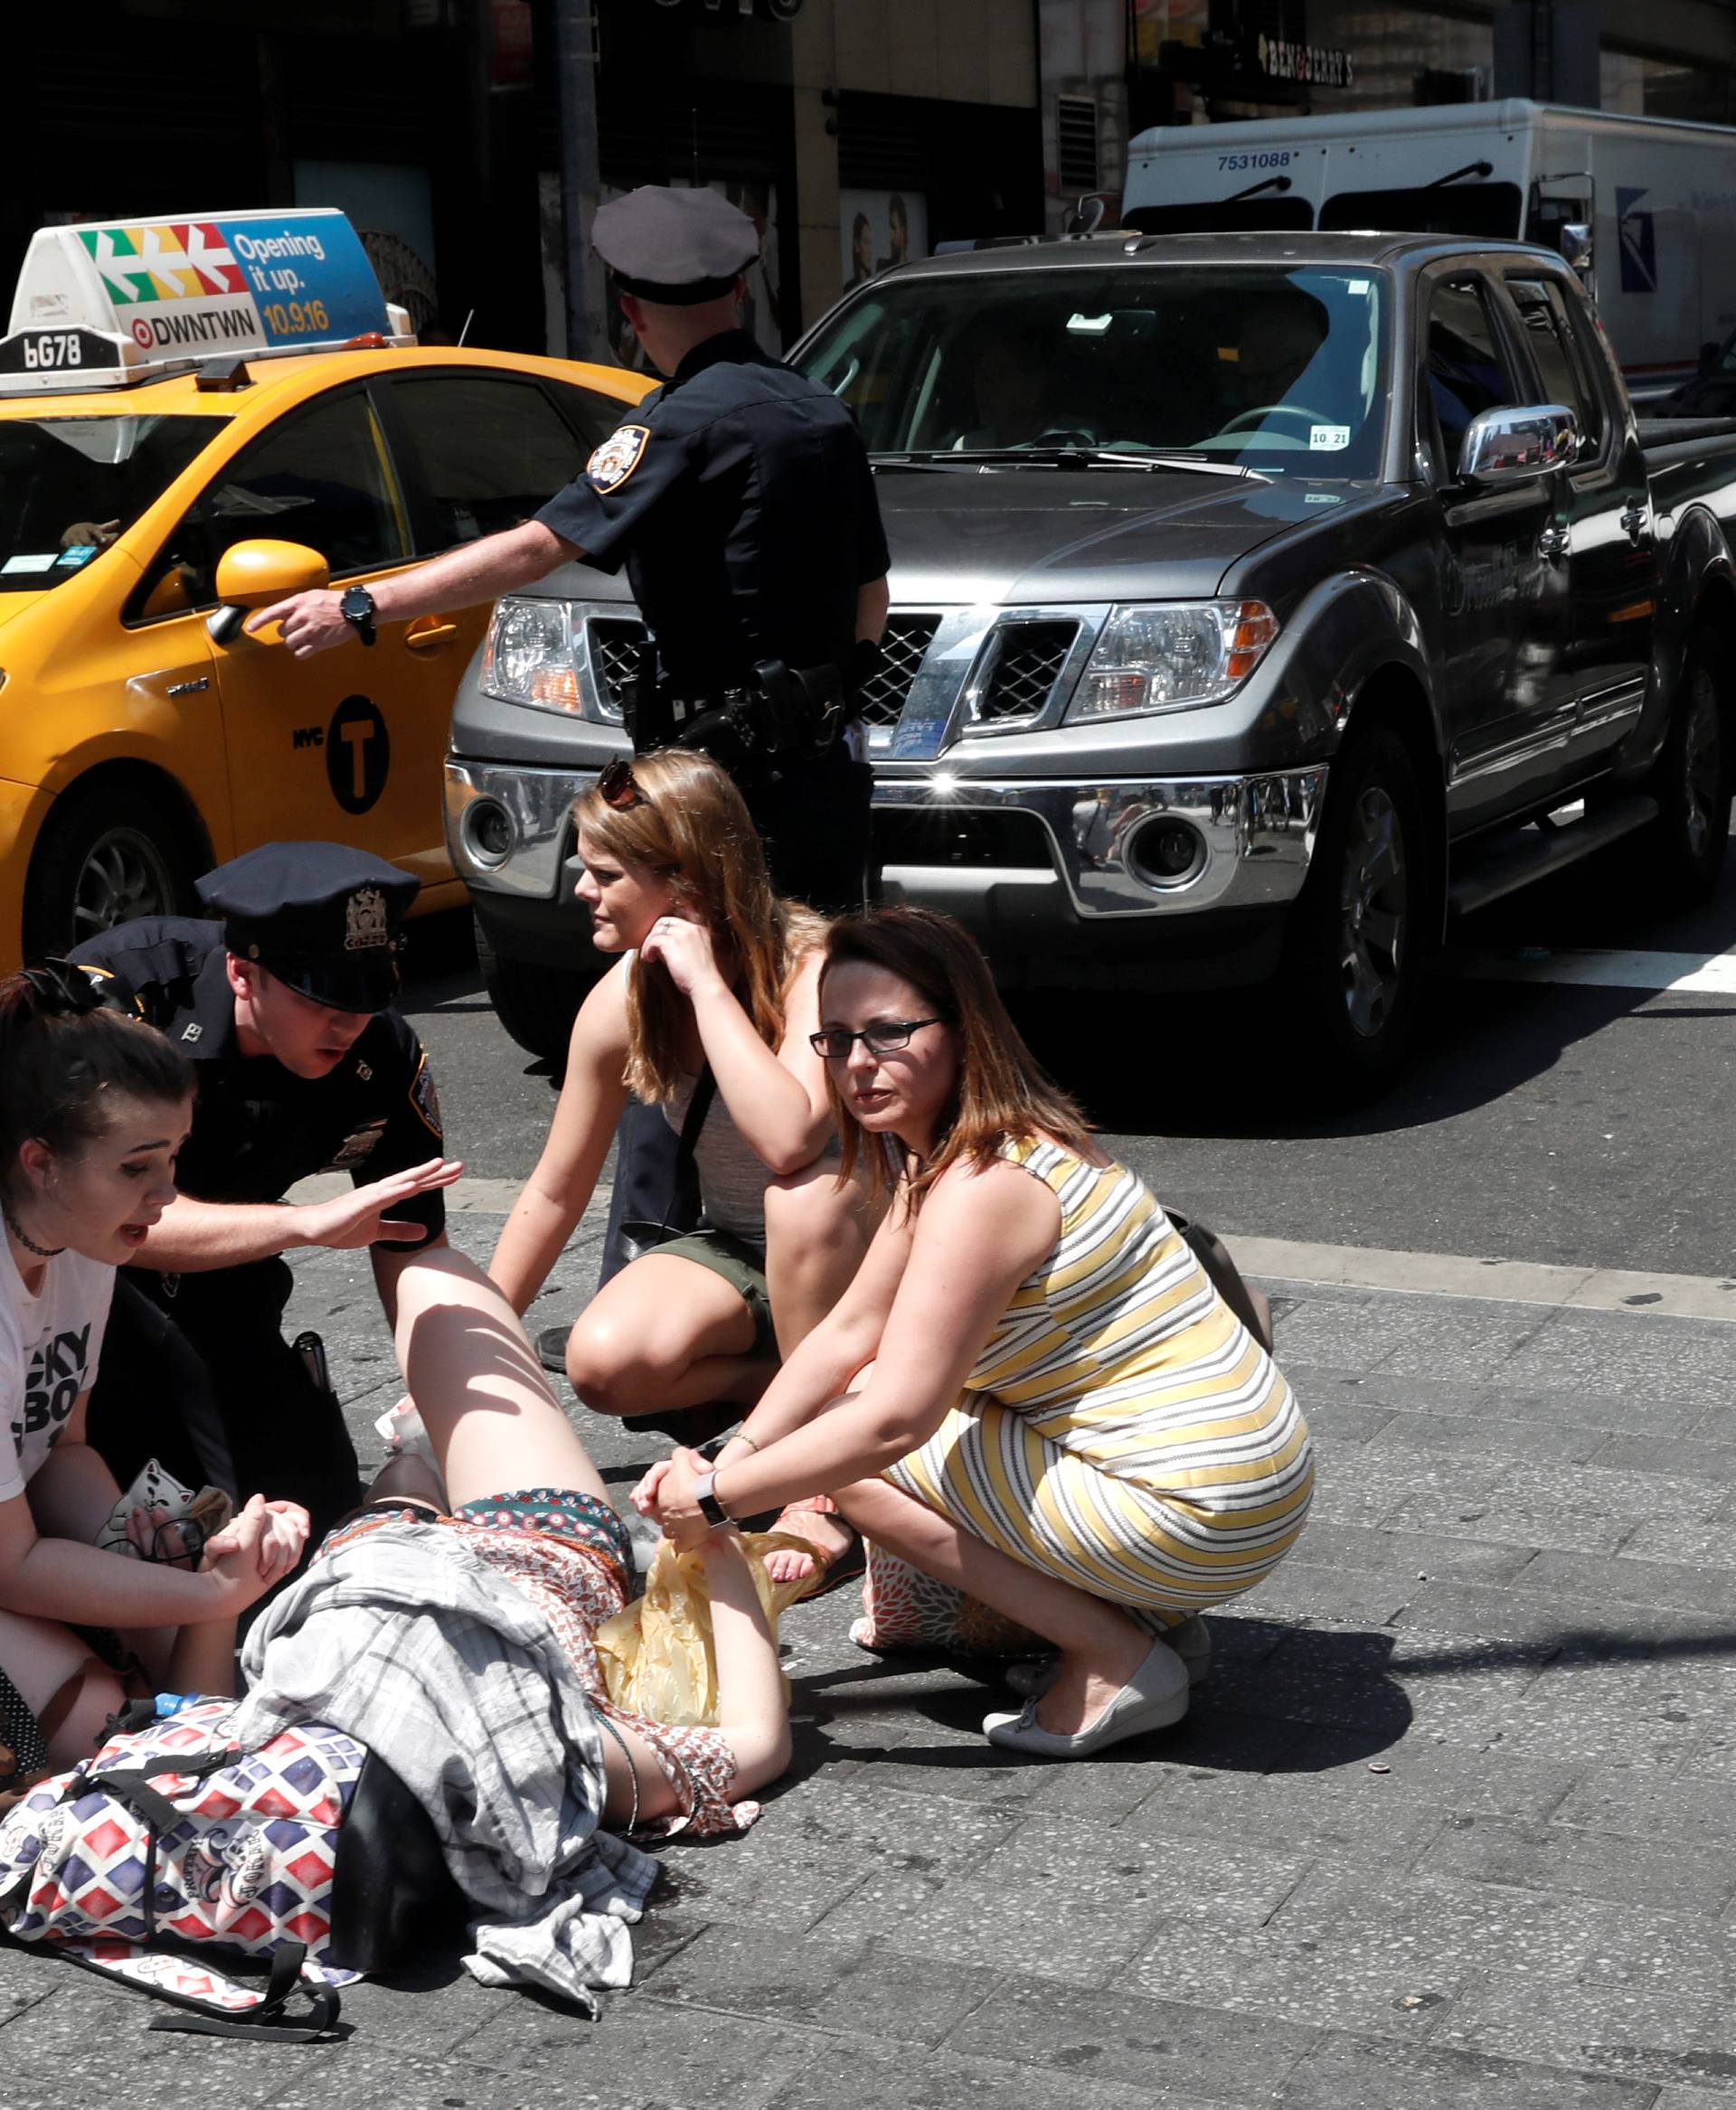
(103, 858)
(537, 1005)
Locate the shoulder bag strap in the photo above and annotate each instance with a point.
(683, 1192)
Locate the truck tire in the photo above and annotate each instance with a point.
(1683, 848)
(1353, 957)
(104, 855)
(537, 1005)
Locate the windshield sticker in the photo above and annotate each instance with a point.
(1322, 498)
(45, 562)
(76, 553)
(1328, 438)
(1088, 326)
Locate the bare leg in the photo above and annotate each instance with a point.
(816, 1232)
(43, 1658)
(481, 1392)
(407, 1478)
(1100, 1646)
(664, 1334)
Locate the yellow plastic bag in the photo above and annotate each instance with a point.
(656, 1654)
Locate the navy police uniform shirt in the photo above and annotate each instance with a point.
(257, 1129)
(739, 498)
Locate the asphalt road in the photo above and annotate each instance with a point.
(1539, 1121)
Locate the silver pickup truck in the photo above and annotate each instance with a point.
(1259, 602)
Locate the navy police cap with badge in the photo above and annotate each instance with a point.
(323, 918)
(676, 247)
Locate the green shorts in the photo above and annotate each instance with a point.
(742, 1265)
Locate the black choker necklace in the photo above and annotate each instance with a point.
(27, 1242)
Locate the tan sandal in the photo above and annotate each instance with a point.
(830, 1569)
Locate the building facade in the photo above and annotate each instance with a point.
(856, 132)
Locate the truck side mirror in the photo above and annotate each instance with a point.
(1576, 244)
(1517, 444)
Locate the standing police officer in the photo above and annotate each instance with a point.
(284, 1008)
(739, 498)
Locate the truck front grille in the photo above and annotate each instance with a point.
(1027, 662)
(615, 644)
(901, 649)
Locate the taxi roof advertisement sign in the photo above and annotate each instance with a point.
(187, 288)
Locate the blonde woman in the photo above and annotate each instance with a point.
(717, 976)
(1032, 1391)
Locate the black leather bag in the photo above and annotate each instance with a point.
(1252, 1307)
(638, 1235)
(392, 1891)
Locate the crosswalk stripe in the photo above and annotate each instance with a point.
(1674, 974)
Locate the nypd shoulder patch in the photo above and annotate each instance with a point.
(615, 460)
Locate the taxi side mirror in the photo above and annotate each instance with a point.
(253, 575)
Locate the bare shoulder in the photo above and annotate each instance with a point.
(998, 1201)
(600, 1033)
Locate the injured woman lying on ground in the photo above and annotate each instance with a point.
(450, 1628)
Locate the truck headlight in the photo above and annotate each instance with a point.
(1171, 655)
(530, 657)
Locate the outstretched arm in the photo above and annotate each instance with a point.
(474, 571)
(751, 1709)
(980, 1233)
(593, 1094)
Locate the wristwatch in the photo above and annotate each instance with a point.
(357, 608)
(710, 1507)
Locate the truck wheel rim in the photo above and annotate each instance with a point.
(1701, 763)
(1373, 899)
(124, 875)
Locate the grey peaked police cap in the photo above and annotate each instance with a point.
(676, 247)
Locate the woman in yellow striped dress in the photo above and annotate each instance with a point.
(1032, 1391)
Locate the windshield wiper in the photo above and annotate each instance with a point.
(1066, 458)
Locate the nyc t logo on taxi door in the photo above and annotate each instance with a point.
(358, 754)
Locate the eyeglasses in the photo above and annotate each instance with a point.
(618, 787)
(886, 1036)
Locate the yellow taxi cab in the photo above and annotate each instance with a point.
(198, 417)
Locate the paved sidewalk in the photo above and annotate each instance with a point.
(1452, 1824)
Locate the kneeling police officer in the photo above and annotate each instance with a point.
(284, 1008)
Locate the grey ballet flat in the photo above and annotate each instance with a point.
(1191, 1641)
(1153, 1697)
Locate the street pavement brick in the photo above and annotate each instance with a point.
(1371, 2073)
(1446, 1926)
(1559, 1859)
(1532, 1908)
(1356, 1980)
(1122, 2036)
(1624, 1578)
(1413, 1554)
(1704, 1456)
(861, 1986)
(1635, 2033)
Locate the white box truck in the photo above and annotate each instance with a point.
(1658, 199)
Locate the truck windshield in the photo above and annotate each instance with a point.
(1260, 366)
(69, 485)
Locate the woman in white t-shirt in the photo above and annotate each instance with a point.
(94, 1105)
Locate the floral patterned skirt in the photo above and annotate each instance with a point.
(570, 1555)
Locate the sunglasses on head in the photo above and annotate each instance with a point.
(617, 787)
(886, 1036)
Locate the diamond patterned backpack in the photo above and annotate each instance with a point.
(173, 1840)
